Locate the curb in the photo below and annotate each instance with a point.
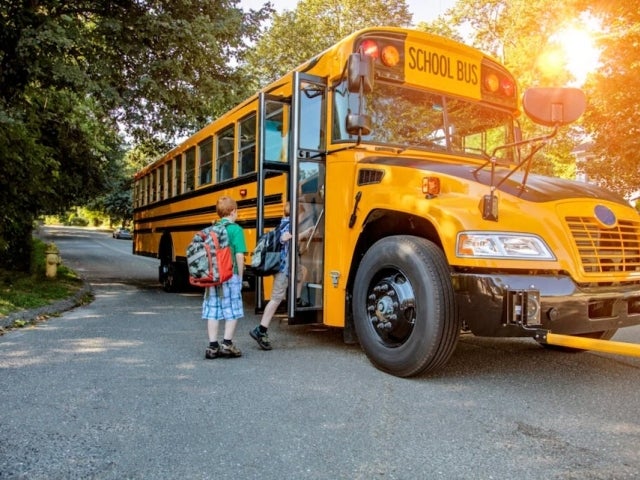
(48, 310)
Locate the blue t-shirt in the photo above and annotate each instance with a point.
(285, 226)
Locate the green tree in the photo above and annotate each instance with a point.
(297, 35)
(613, 117)
(75, 75)
(117, 201)
(522, 35)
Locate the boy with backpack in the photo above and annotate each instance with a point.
(224, 302)
(280, 281)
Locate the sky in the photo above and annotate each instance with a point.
(422, 10)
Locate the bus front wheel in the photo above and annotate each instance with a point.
(404, 308)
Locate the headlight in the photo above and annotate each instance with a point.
(502, 245)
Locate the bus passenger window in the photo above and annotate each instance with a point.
(178, 169)
(224, 162)
(190, 170)
(247, 156)
(147, 189)
(161, 183)
(276, 141)
(170, 179)
(152, 185)
(206, 159)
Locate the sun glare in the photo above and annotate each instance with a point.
(575, 52)
(580, 51)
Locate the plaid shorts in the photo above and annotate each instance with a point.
(224, 302)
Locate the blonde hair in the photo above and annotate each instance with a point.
(225, 206)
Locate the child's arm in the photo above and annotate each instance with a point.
(240, 263)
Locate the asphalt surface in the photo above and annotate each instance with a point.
(119, 389)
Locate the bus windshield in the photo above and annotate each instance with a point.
(409, 118)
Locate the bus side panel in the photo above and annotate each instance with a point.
(340, 240)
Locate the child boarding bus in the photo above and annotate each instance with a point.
(402, 150)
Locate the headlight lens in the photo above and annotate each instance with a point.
(502, 245)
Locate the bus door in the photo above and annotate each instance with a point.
(274, 122)
(306, 274)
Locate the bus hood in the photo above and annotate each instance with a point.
(538, 188)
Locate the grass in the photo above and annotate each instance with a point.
(24, 291)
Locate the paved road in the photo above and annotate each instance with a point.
(120, 389)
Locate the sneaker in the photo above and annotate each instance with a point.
(261, 338)
(211, 353)
(229, 351)
(302, 303)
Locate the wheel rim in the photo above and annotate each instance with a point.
(391, 308)
(167, 277)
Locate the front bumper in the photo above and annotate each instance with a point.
(484, 303)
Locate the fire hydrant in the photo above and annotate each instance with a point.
(53, 260)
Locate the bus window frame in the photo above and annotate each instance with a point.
(277, 138)
(250, 147)
(179, 168)
(228, 156)
(161, 180)
(170, 178)
(190, 173)
(204, 162)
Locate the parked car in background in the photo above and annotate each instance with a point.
(124, 233)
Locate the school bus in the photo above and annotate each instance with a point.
(403, 151)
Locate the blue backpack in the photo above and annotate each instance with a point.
(266, 257)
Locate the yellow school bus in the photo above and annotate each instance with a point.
(402, 150)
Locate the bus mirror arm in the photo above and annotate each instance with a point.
(489, 202)
(542, 140)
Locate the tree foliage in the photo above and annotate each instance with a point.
(76, 76)
(613, 118)
(297, 35)
(521, 34)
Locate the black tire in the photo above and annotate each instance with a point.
(168, 272)
(169, 278)
(404, 307)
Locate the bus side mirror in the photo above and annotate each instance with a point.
(554, 106)
(358, 124)
(360, 73)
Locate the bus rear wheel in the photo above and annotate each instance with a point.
(168, 277)
(404, 306)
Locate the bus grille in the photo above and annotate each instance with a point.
(601, 249)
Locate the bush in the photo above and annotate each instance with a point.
(22, 290)
(77, 221)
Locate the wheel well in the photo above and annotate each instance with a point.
(383, 223)
(165, 249)
(380, 224)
